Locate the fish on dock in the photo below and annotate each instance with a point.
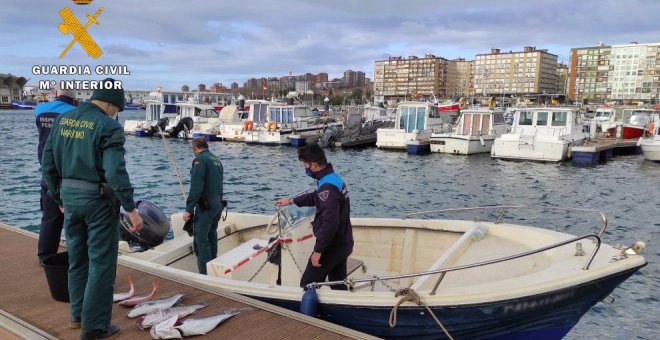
(140, 299)
(153, 306)
(154, 318)
(124, 296)
(173, 328)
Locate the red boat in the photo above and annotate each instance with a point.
(448, 107)
(634, 127)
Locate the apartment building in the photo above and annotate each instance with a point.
(562, 78)
(401, 78)
(530, 71)
(459, 78)
(623, 73)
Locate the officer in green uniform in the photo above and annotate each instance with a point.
(83, 163)
(206, 196)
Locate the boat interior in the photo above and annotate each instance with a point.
(386, 250)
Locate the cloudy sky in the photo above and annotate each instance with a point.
(174, 42)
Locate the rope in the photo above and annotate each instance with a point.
(409, 295)
(176, 169)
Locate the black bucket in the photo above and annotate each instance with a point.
(57, 267)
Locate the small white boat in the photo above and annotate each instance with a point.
(190, 115)
(414, 124)
(487, 279)
(156, 111)
(475, 133)
(544, 134)
(605, 118)
(651, 144)
(239, 130)
(289, 124)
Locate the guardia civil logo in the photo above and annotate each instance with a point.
(80, 33)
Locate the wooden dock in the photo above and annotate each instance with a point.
(601, 149)
(27, 311)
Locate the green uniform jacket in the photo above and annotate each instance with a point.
(85, 144)
(205, 180)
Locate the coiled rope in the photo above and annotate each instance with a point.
(409, 295)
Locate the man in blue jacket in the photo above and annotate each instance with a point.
(52, 218)
(332, 224)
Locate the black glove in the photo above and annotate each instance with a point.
(189, 226)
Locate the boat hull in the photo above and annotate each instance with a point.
(461, 145)
(651, 149)
(627, 132)
(544, 316)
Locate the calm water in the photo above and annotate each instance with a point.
(390, 184)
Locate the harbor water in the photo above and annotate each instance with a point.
(391, 184)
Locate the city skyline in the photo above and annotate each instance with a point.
(165, 43)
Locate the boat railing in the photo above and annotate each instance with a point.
(443, 271)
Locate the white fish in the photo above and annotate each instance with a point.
(191, 327)
(152, 306)
(154, 318)
(140, 299)
(124, 296)
(166, 330)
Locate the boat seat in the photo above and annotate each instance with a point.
(449, 256)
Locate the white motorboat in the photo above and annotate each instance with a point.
(544, 134)
(190, 115)
(651, 144)
(475, 133)
(414, 124)
(240, 130)
(156, 111)
(289, 124)
(485, 277)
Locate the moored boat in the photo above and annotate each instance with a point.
(545, 134)
(634, 123)
(487, 279)
(475, 132)
(415, 122)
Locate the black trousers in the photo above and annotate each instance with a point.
(50, 230)
(333, 266)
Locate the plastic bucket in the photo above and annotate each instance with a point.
(57, 267)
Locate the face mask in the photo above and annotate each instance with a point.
(309, 172)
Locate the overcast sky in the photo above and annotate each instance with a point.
(174, 42)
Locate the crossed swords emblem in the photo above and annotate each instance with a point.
(70, 24)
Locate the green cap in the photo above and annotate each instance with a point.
(110, 95)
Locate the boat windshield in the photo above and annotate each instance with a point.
(412, 118)
(640, 119)
(559, 118)
(291, 216)
(259, 112)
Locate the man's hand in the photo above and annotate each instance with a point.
(136, 221)
(186, 216)
(316, 257)
(282, 202)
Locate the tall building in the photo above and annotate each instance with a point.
(185, 88)
(459, 78)
(530, 71)
(234, 88)
(353, 78)
(321, 77)
(628, 72)
(201, 88)
(398, 78)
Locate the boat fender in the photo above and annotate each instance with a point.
(481, 139)
(310, 302)
(249, 125)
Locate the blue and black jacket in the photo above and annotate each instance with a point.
(332, 221)
(45, 115)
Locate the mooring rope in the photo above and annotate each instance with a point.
(176, 169)
(409, 295)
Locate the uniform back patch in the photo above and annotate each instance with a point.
(323, 195)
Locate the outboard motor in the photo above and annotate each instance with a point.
(241, 103)
(155, 227)
(185, 123)
(162, 124)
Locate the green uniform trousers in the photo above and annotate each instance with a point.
(92, 236)
(206, 237)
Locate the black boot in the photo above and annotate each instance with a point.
(110, 333)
